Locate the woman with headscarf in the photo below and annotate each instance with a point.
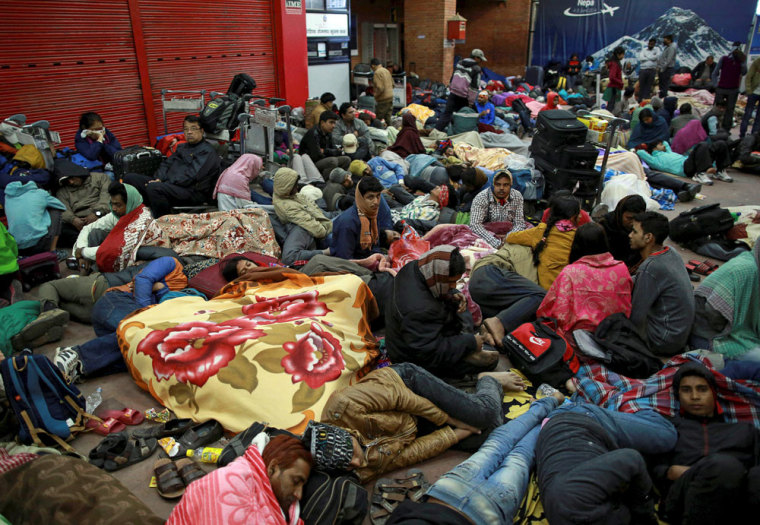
(650, 128)
(232, 190)
(427, 322)
(111, 239)
(617, 225)
(408, 140)
(728, 308)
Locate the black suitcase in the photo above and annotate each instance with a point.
(579, 156)
(560, 128)
(584, 183)
(241, 84)
(701, 222)
(136, 159)
(534, 75)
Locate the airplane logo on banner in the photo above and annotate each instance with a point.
(590, 8)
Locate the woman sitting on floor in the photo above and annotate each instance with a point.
(233, 190)
(617, 225)
(551, 241)
(593, 286)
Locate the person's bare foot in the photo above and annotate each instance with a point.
(570, 386)
(496, 329)
(509, 381)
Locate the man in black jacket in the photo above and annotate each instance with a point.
(712, 475)
(318, 145)
(187, 177)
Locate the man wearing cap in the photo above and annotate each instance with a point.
(318, 144)
(349, 124)
(326, 102)
(382, 82)
(336, 189)
(727, 77)
(466, 77)
(712, 474)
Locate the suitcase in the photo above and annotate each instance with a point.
(583, 183)
(38, 268)
(580, 156)
(534, 75)
(560, 128)
(136, 159)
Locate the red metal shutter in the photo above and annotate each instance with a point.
(202, 45)
(62, 58)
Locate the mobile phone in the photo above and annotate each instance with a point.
(72, 264)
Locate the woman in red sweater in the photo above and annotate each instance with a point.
(615, 84)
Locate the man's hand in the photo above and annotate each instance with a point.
(84, 266)
(459, 296)
(78, 223)
(385, 266)
(158, 286)
(455, 423)
(461, 434)
(90, 218)
(154, 180)
(479, 342)
(483, 113)
(676, 471)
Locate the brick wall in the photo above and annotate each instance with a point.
(424, 35)
(500, 29)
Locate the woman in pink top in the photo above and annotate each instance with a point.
(590, 288)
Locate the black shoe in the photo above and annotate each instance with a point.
(689, 192)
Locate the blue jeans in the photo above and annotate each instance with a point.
(753, 103)
(101, 356)
(110, 309)
(490, 485)
(509, 296)
(645, 430)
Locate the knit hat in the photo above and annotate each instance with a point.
(349, 143)
(357, 168)
(700, 370)
(656, 102)
(338, 175)
(311, 192)
(330, 446)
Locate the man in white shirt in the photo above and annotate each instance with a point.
(648, 68)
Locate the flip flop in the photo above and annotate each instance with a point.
(97, 455)
(128, 416)
(106, 427)
(128, 452)
(386, 496)
(415, 480)
(189, 470)
(168, 481)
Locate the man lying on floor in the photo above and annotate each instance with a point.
(101, 356)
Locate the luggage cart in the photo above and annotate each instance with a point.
(176, 103)
(258, 126)
(604, 140)
(38, 134)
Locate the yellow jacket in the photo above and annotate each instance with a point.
(383, 84)
(381, 412)
(555, 254)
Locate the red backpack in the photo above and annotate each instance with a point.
(539, 352)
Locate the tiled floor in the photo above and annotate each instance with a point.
(120, 391)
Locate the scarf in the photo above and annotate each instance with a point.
(443, 198)
(368, 235)
(115, 251)
(134, 199)
(408, 140)
(235, 180)
(434, 266)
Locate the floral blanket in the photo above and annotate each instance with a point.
(214, 234)
(269, 352)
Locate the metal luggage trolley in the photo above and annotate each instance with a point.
(38, 134)
(258, 126)
(181, 104)
(603, 139)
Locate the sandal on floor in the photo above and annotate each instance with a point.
(168, 481)
(106, 427)
(702, 268)
(128, 416)
(202, 434)
(419, 485)
(172, 428)
(97, 455)
(129, 452)
(189, 470)
(386, 496)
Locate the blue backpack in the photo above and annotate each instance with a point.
(49, 411)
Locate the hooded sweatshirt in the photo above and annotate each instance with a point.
(92, 196)
(26, 207)
(8, 252)
(295, 208)
(666, 161)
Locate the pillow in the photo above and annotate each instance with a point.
(210, 280)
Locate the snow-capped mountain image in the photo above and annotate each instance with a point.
(695, 38)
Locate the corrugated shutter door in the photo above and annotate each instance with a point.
(193, 45)
(62, 58)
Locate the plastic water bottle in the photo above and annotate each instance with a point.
(94, 400)
(205, 454)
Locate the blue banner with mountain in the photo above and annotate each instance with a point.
(595, 27)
